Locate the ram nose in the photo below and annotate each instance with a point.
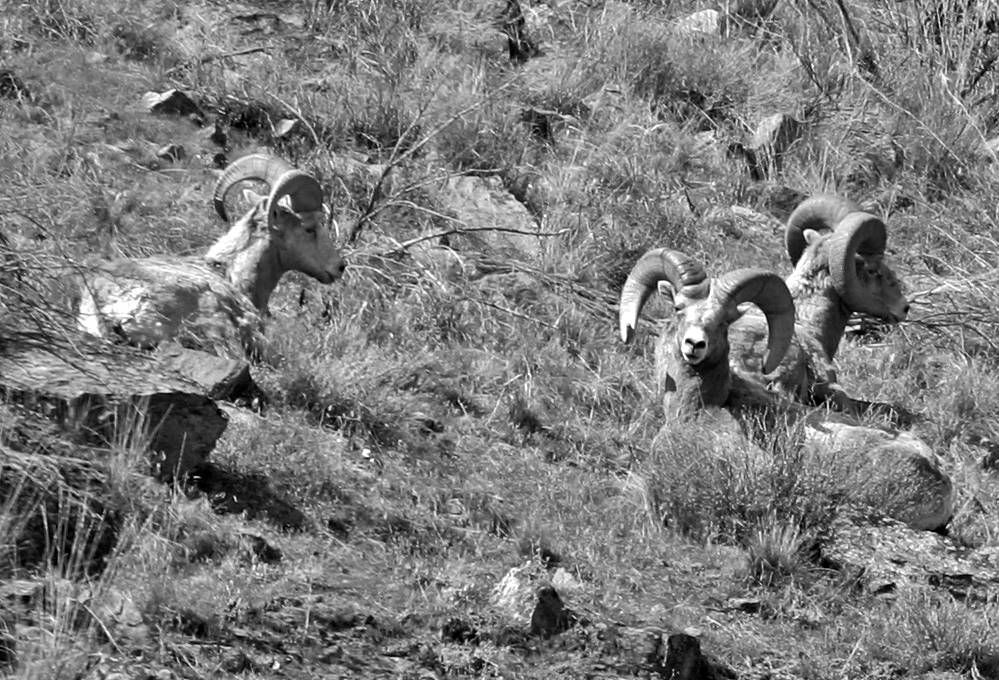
(694, 348)
(898, 313)
(331, 275)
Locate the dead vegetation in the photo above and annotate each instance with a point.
(458, 405)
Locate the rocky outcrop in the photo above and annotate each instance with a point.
(488, 219)
(885, 555)
(895, 472)
(99, 394)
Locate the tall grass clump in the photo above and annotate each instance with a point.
(926, 631)
(707, 481)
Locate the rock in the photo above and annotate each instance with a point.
(749, 605)
(550, 616)
(171, 102)
(286, 127)
(236, 661)
(171, 152)
(349, 166)
(219, 377)
(704, 22)
(146, 302)
(743, 223)
(96, 391)
(514, 596)
(119, 616)
(531, 189)
(565, 581)
(770, 143)
(259, 548)
(497, 224)
(894, 472)
(684, 660)
(885, 555)
(525, 595)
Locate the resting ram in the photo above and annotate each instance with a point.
(839, 270)
(217, 301)
(694, 372)
(692, 361)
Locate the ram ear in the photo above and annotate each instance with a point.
(741, 309)
(252, 197)
(811, 236)
(665, 288)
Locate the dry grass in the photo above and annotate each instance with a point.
(433, 424)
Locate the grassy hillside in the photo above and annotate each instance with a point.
(439, 417)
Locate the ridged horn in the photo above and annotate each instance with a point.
(858, 233)
(303, 189)
(768, 292)
(264, 167)
(660, 264)
(821, 213)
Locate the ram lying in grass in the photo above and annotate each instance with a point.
(216, 302)
(839, 270)
(694, 373)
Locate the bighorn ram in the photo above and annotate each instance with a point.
(692, 363)
(839, 269)
(216, 301)
(694, 371)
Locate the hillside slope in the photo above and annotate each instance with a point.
(459, 405)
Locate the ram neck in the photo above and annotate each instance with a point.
(254, 270)
(822, 317)
(708, 385)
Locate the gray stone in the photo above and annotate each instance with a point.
(894, 472)
(885, 555)
(768, 147)
(171, 152)
(488, 219)
(704, 22)
(170, 102)
(286, 127)
(96, 391)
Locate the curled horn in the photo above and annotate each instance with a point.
(858, 233)
(303, 189)
(681, 271)
(821, 213)
(768, 292)
(263, 167)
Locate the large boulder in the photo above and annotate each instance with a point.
(101, 394)
(153, 300)
(488, 219)
(895, 472)
(885, 555)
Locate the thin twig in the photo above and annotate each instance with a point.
(397, 158)
(464, 230)
(237, 53)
